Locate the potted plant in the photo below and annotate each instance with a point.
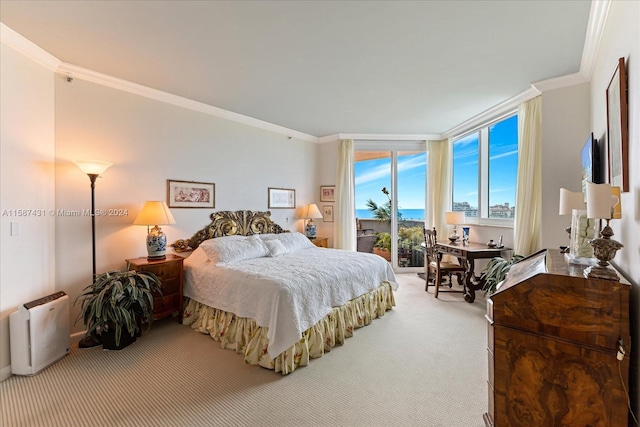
(495, 272)
(116, 306)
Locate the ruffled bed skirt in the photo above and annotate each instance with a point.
(245, 336)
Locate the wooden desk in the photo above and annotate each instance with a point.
(466, 256)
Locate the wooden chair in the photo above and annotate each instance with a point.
(434, 264)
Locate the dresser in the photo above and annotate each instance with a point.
(555, 344)
(169, 271)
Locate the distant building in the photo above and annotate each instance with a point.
(503, 211)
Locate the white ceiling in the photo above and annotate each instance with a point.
(320, 67)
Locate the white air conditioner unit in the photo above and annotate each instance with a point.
(39, 333)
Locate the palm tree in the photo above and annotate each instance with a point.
(382, 212)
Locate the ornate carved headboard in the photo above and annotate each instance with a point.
(227, 223)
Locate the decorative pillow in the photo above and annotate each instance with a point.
(217, 240)
(224, 251)
(295, 241)
(275, 247)
(268, 236)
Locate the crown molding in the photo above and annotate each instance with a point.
(595, 28)
(492, 113)
(379, 137)
(137, 89)
(28, 48)
(560, 82)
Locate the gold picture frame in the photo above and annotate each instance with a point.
(191, 194)
(327, 193)
(327, 213)
(281, 198)
(618, 128)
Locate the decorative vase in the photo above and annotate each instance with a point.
(156, 243)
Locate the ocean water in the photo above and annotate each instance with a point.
(406, 213)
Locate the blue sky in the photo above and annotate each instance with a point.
(372, 175)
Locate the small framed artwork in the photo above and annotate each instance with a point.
(191, 194)
(282, 198)
(328, 193)
(618, 128)
(327, 213)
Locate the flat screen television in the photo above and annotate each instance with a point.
(590, 160)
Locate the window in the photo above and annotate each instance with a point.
(390, 196)
(485, 164)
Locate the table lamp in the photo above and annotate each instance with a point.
(603, 203)
(570, 200)
(454, 218)
(155, 213)
(309, 212)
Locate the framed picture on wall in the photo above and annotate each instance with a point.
(618, 128)
(327, 213)
(191, 194)
(282, 198)
(328, 193)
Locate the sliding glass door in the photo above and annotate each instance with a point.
(390, 201)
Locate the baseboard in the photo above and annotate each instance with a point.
(5, 373)
(77, 336)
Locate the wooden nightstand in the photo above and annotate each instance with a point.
(320, 242)
(169, 271)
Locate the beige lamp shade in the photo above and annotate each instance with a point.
(92, 167)
(570, 200)
(310, 211)
(154, 213)
(616, 202)
(598, 200)
(455, 218)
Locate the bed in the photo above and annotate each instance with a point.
(272, 295)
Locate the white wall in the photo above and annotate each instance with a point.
(565, 128)
(149, 142)
(27, 147)
(621, 38)
(327, 168)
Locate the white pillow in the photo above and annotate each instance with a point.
(275, 247)
(224, 251)
(295, 241)
(268, 236)
(217, 240)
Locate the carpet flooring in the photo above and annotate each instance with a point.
(422, 364)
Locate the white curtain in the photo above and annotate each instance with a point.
(345, 220)
(529, 180)
(438, 185)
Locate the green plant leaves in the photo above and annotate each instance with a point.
(122, 300)
(496, 271)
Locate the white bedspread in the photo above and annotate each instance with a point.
(287, 294)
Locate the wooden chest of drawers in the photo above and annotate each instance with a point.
(169, 271)
(321, 242)
(553, 342)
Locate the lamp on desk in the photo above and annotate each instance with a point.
(603, 202)
(570, 200)
(309, 212)
(155, 213)
(454, 218)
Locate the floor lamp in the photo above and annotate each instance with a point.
(93, 168)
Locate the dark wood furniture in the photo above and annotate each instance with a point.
(554, 338)
(466, 256)
(434, 264)
(169, 271)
